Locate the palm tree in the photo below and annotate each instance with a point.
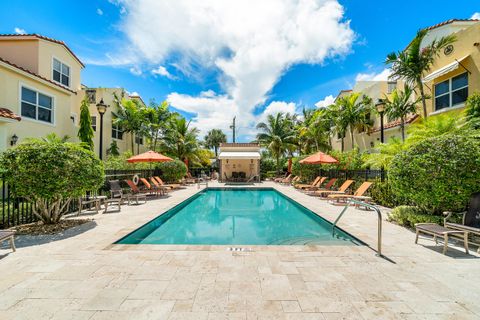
(352, 112)
(400, 105)
(414, 61)
(156, 118)
(129, 117)
(180, 140)
(277, 135)
(386, 153)
(435, 126)
(214, 138)
(314, 131)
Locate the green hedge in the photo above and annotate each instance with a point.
(172, 171)
(408, 216)
(437, 174)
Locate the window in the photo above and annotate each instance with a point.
(392, 85)
(451, 92)
(36, 105)
(117, 133)
(139, 140)
(61, 73)
(94, 123)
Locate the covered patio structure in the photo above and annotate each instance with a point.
(239, 162)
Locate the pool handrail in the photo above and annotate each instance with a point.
(366, 205)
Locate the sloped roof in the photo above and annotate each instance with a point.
(36, 75)
(7, 113)
(448, 22)
(37, 36)
(396, 123)
(240, 144)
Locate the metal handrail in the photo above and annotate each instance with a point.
(366, 205)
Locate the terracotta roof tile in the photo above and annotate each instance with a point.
(448, 22)
(7, 113)
(396, 123)
(34, 35)
(36, 75)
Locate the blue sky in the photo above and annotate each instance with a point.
(215, 59)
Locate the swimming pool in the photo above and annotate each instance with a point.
(234, 216)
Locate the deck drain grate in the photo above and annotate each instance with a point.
(237, 249)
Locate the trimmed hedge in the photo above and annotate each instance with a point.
(172, 171)
(437, 174)
(408, 216)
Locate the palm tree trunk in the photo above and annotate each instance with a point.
(216, 151)
(353, 141)
(402, 126)
(278, 164)
(422, 95)
(133, 145)
(343, 145)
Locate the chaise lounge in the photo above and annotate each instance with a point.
(8, 235)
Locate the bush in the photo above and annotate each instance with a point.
(437, 174)
(472, 110)
(408, 216)
(172, 171)
(51, 174)
(307, 172)
(382, 194)
(267, 165)
(120, 162)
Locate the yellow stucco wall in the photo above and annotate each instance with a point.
(20, 52)
(250, 167)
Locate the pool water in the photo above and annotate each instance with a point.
(239, 217)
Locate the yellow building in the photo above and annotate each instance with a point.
(40, 81)
(239, 162)
(454, 76)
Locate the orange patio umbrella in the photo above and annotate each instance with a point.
(319, 158)
(149, 156)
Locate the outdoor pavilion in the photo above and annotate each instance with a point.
(239, 159)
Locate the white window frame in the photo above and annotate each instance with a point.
(69, 72)
(388, 86)
(117, 129)
(94, 124)
(53, 97)
(450, 93)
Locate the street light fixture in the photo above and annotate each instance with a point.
(101, 108)
(13, 140)
(380, 105)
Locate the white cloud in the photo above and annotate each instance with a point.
(99, 12)
(251, 43)
(475, 16)
(328, 100)
(162, 71)
(133, 94)
(19, 30)
(136, 71)
(382, 76)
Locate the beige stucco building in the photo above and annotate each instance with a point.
(454, 76)
(239, 161)
(40, 81)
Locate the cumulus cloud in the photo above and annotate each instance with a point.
(19, 30)
(328, 100)
(99, 12)
(475, 16)
(162, 71)
(250, 43)
(136, 71)
(381, 76)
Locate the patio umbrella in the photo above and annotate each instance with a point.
(319, 158)
(149, 156)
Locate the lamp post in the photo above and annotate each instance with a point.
(380, 105)
(101, 108)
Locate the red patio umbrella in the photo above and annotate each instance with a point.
(149, 156)
(319, 158)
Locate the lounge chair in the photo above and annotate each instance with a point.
(188, 179)
(154, 190)
(8, 235)
(358, 195)
(470, 220)
(159, 186)
(307, 185)
(282, 178)
(171, 185)
(287, 180)
(116, 191)
(318, 187)
(136, 193)
(342, 190)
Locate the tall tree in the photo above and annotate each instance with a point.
(180, 140)
(400, 105)
(85, 132)
(156, 119)
(412, 63)
(214, 138)
(277, 135)
(129, 117)
(352, 112)
(314, 131)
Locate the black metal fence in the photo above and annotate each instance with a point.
(354, 174)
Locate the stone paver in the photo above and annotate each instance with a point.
(83, 275)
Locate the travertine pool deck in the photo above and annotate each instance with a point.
(83, 275)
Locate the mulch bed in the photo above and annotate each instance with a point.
(38, 228)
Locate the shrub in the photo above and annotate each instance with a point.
(267, 165)
(472, 110)
(120, 162)
(408, 216)
(172, 171)
(437, 174)
(307, 172)
(51, 174)
(382, 194)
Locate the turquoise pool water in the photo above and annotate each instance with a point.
(238, 217)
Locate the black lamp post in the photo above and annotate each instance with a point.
(101, 108)
(380, 105)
